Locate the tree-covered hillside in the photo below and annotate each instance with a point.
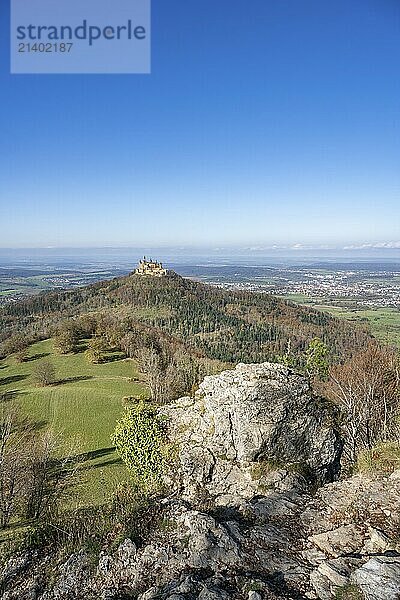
(230, 326)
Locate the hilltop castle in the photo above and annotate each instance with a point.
(151, 267)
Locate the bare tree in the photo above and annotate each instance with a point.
(367, 389)
(44, 373)
(14, 453)
(128, 344)
(153, 365)
(39, 467)
(171, 372)
(33, 475)
(48, 473)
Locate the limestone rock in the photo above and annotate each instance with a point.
(73, 575)
(379, 578)
(14, 567)
(254, 595)
(253, 428)
(353, 524)
(377, 542)
(246, 524)
(330, 576)
(340, 541)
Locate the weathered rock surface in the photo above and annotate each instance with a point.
(354, 528)
(252, 428)
(246, 526)
(202, 555)
(379, 578)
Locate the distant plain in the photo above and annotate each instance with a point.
(358, 287)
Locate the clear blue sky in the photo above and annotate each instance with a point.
(263, 122)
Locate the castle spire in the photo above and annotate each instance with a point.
(151, 267)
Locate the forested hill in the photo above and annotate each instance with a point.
(231, 326)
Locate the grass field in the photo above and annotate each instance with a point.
(82, 406)
(384, 323)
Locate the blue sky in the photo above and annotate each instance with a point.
(263, 122)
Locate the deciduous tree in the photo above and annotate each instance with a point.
(317, 364)
(44, 373)
(367, 388)
(67, 339)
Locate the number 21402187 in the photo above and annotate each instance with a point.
(45, 47)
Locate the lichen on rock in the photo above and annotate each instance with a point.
(251, 428)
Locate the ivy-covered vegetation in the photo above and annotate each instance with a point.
(139, 439)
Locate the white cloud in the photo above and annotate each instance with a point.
(371, 245)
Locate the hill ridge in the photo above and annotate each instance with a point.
(231, 326)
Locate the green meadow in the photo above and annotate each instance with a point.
(82, 407)
(384, 323)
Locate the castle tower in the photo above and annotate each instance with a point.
(150, 267)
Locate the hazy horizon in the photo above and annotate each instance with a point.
(127, 256)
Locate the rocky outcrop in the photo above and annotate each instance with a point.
(379, 578)
(341, 543)
(246, 522)
(354, 538)
(199, 554)
(250, 429)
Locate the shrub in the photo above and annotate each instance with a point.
(125, 515)
(44, 373)
(140, 441)
(381, 460)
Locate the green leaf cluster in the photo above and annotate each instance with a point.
(139, 438)
(317, 363)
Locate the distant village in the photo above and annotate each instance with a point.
(360, 288)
